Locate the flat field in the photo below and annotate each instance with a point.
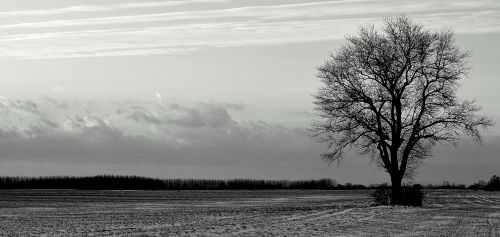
(243, 213)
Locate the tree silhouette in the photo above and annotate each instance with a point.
(391, 94)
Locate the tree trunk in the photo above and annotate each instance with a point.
(395, 190)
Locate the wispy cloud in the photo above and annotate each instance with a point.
(288, 12)
(189, 30)
(102, 8)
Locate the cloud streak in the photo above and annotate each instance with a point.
(190, 30)
(102, 8)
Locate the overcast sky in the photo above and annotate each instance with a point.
(207, 88)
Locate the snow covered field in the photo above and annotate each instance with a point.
(243, 213)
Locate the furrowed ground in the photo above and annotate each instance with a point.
(243, 213)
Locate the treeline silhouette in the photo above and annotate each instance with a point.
(100, 182)
(116, 182)
(492, 185)
(113, 182)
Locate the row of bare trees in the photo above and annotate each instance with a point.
(112, 182)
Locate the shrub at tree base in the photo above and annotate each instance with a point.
(382, 196)
(410, 196)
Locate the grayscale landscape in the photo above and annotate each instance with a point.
(249, 118)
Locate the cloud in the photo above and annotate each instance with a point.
(58, 89)
(285, 11)
(289, 12)
(144, 132)
(174, 32)
(211, 115)
(158, 95)
(102, 8)
(199, 136)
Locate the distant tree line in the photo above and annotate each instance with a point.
(492, 185)
(101, 182)
(112, 182)
(115, 182)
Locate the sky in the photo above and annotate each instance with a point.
(208, 88)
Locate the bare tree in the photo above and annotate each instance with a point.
(391, 94)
